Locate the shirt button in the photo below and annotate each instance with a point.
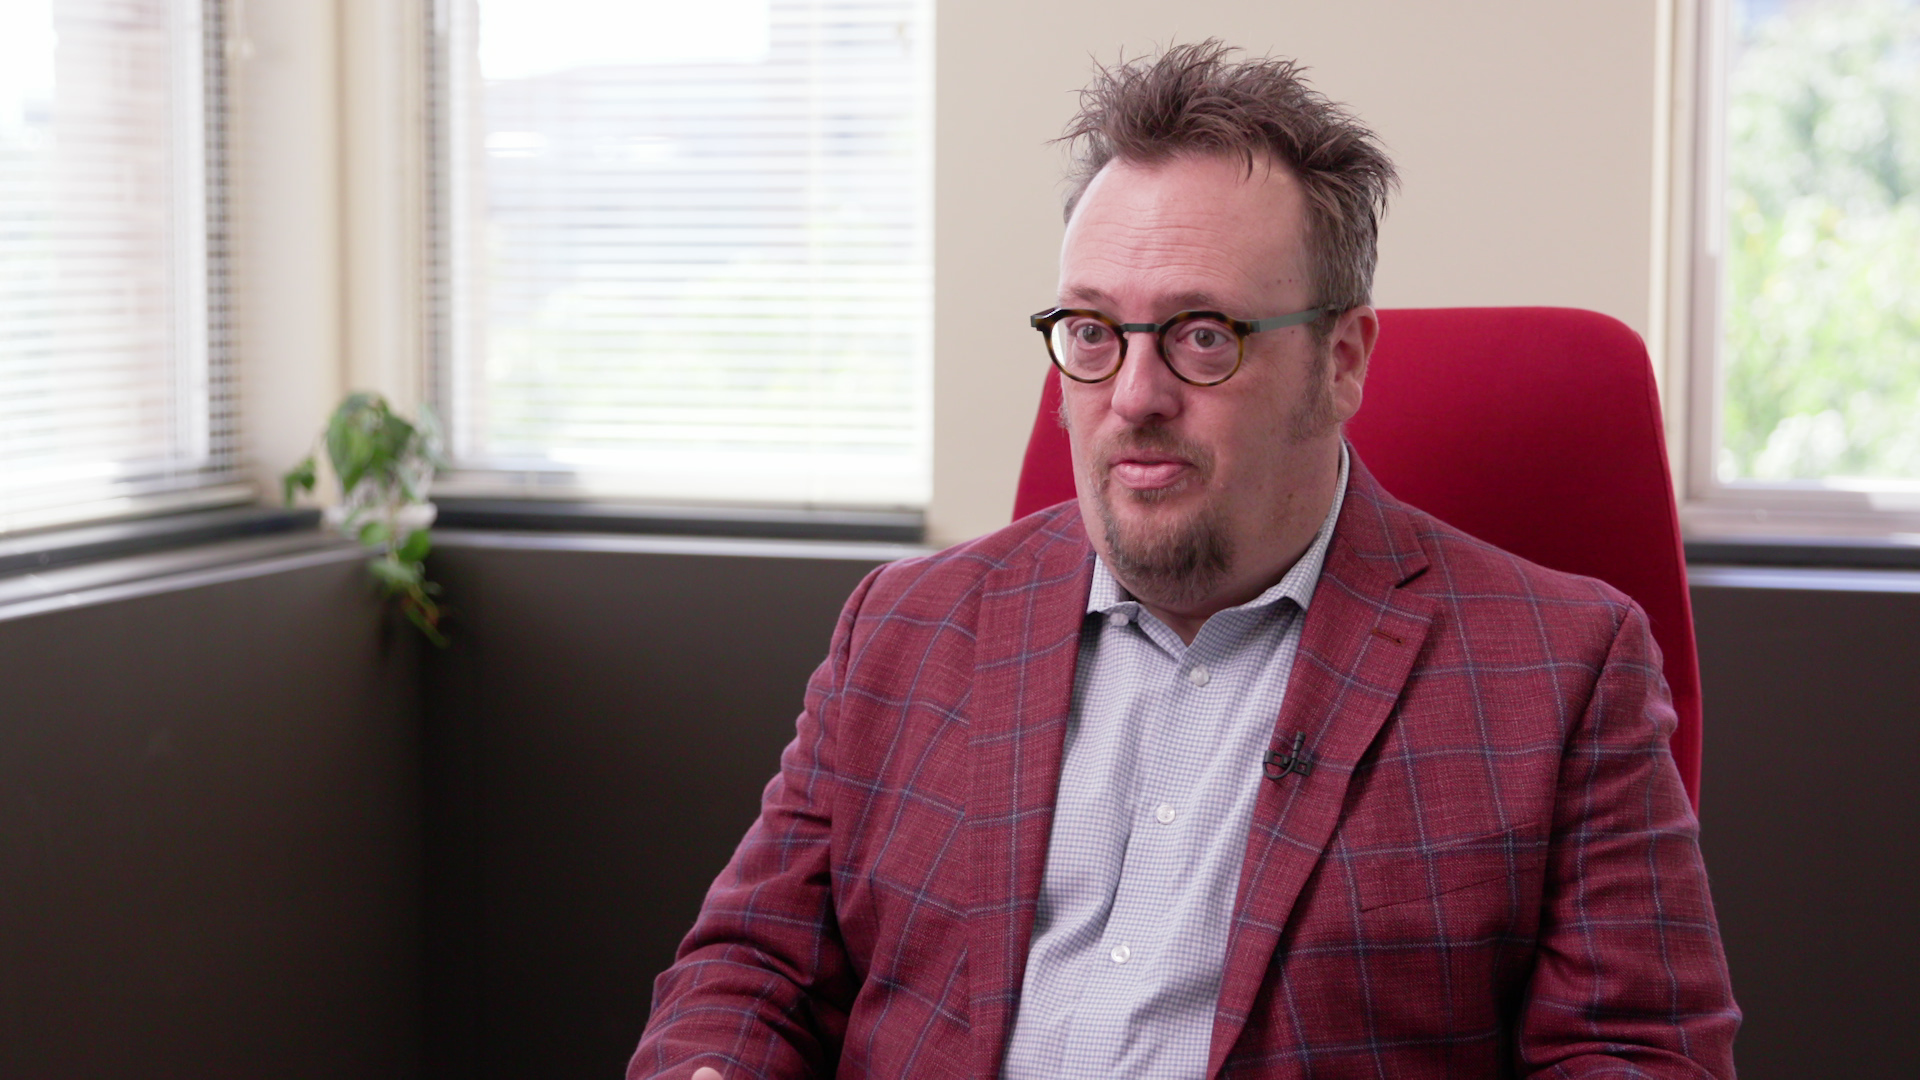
(1117, 618)
(1120, 954)
(1198, 676)
(1165, 814)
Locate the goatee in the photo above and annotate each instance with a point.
(1166, 563)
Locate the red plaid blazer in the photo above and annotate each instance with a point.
(1491, 870)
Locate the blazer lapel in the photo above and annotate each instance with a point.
(1357, 648)
(1028, 639)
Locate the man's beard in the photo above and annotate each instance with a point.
(1167, 562)
(1171, 563)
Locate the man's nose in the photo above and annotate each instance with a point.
(1145, 388)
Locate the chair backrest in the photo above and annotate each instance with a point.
(1535, 429)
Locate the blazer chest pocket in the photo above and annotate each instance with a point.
(1382, 880)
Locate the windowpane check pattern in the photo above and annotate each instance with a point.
(686, 248)
(113, 393)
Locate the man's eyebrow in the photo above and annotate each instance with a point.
(1197, 301)
(1084, 295)
(1186, 301)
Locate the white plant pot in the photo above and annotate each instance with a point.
(411, 517)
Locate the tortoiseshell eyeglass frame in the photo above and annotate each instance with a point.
(1044, 322)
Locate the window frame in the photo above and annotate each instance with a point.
(1712, 511)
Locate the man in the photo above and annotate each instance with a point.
(1238, 766)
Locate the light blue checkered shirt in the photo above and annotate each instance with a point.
(1157, 786)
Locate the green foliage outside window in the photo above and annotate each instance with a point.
(1823, 242)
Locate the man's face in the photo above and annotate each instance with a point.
(1182, 487)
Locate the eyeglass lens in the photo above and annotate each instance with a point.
(1200, 349)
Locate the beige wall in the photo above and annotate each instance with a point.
(288, 228)
(329, 196)
(1527, 134)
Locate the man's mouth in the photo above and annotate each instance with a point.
(1149, 472)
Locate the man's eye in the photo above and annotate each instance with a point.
(1207, 338)
(1090, 333)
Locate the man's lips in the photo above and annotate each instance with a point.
(1149, 473)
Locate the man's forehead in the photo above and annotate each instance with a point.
(1195, 232)
(1183, 180)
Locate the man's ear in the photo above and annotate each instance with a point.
(1350, 346)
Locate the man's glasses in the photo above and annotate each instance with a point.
(1203, 348)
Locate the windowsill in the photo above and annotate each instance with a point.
(130, 575)
(1815, 579)
(1854, 553)
(759, 523)
(52, 549)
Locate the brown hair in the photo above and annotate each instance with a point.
(1192, 100)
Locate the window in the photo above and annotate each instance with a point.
(685, 249)
(114, 390)
(1810, 242)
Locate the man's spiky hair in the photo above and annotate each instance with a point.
(1191, 99)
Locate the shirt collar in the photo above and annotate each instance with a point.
(1298, 584)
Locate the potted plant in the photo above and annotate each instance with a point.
(384, 465)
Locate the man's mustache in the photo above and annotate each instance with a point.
(1157, 438)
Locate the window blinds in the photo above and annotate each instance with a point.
(687, 248)
(112, 396)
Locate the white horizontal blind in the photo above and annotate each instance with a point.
(688, 248)
(110, 398)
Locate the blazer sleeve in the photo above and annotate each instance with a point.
(762, 985)
(1629, 978)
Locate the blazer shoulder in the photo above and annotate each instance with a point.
(1470, 574)
(933, 585)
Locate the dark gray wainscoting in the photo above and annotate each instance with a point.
(1810, 814)
(602, 729)
(209, 831)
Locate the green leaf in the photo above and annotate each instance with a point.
(374, 533)
(393, 437)
(339, 427)
(298, 478)
(427, 617)
(355, 459)
(416, 546)
(358, 402)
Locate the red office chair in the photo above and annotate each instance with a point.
(1535, 429)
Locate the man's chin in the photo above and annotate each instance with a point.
(1148, 519)
(1142, 521)
(1164, 551)
(1153, 499)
